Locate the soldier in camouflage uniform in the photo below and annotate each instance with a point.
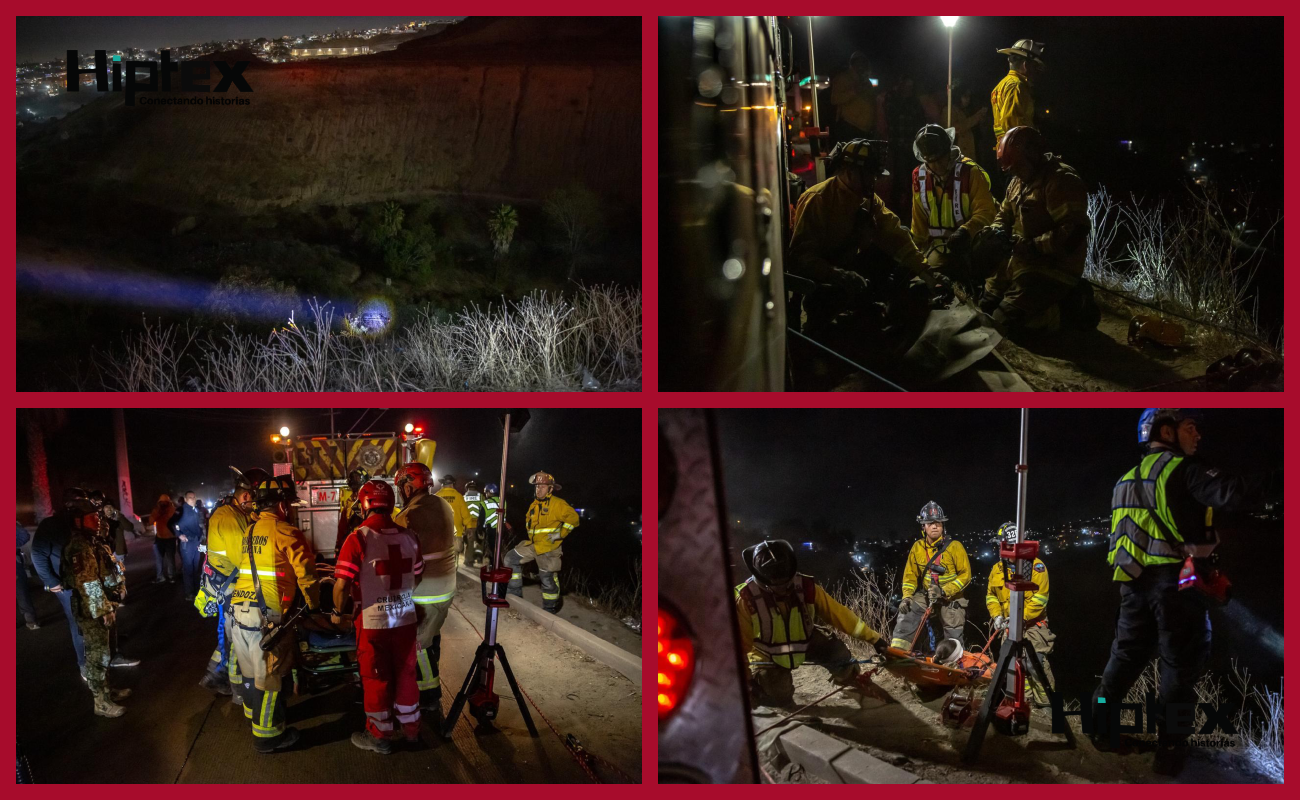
(93, 575)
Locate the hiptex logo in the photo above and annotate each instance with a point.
(1179, 719)
(194, 78)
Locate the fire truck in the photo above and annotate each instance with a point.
(319, 465)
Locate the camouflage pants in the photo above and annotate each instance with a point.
(95, 634)
(773, 685)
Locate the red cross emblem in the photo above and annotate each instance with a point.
(394, 567)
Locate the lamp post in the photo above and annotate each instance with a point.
(819, 163)
(949, 23)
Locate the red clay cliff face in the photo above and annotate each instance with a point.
(392, 126)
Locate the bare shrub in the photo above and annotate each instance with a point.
(541, 342)
(149, 361)
(867, 595)
(1258, 719)
(1186, 260)
(618, 600)
(575, 210)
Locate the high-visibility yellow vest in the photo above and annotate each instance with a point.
(944, 218)
(1143, 532)
(783, 639)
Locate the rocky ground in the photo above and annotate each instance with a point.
(907, 733)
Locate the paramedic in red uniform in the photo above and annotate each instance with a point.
(378, 567)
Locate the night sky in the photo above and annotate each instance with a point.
(871, 470)
(43, 38)
(595, 454)
(1126, 77)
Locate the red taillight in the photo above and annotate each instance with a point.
(676, 662)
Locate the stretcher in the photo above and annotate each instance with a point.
(925, 671)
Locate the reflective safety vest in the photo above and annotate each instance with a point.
(1142, 528)
(782, 639)
(482, 510)
(944, 218)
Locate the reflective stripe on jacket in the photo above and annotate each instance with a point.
(285, 564)
(954, 560)
(226, 531)
(959, 200)
(430, 518)
(1013, 105)
(998, 596)
(1142, 528)
(548, 522)
(832, 223)
(780, 635)
(810, 601)
(1051, 208)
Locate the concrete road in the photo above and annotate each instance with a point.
(175, 731)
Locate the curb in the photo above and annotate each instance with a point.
(833, 761)
(610, 655)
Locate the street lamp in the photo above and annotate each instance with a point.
(949, 23)
(284, 430)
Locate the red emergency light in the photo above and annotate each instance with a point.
(676, 662)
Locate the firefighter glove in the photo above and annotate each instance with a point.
(999, 623)
(849, 281)
(959, 242)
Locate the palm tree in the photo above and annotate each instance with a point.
(502, 224)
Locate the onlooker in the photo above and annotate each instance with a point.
(52, 535)
(24, 595)
(191, 522)
(163, 519)
(854, 99)
(905, 117)
(966, 118)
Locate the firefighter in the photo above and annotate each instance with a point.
(936, 576)
(1013, 97)
(349, 512)
(549, 520)
(786, 617)
(998, 600)
(483, 520)
(1162, 543)
(378, 569)
(842, 217)
(275, 563)
(97, 586)
(473, 526)
(1039, 288)
(460, 512)
(430, 518)
(951, 201)
(488, 528)
(227, 529)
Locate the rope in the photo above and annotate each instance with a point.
(580, 754)
(801, 710)
(847, 360)
(876, 660)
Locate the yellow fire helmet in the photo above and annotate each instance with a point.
(546, 479)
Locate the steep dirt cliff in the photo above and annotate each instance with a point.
(505, 107)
